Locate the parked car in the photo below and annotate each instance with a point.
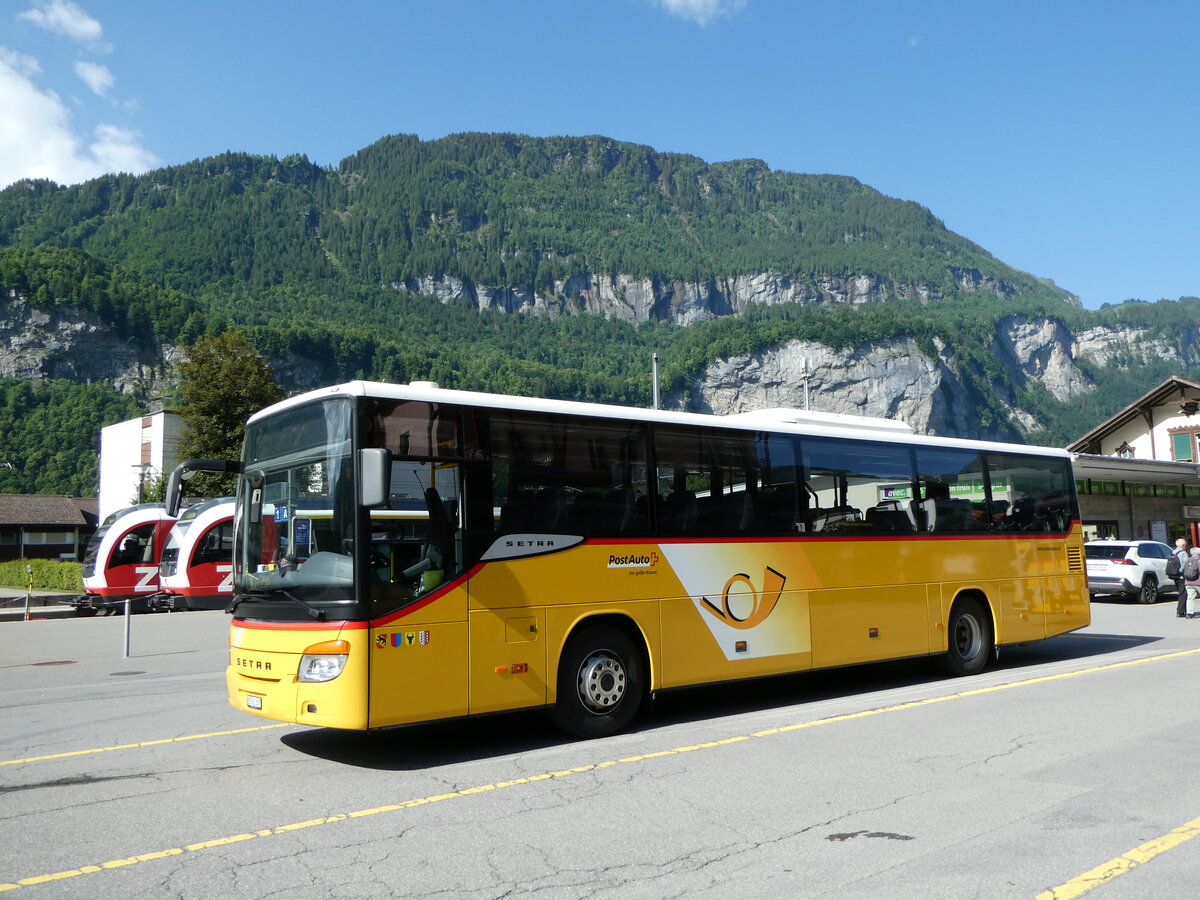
(1129, 569)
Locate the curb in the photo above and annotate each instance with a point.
(17, 614)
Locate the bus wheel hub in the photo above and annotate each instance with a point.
(601, 682)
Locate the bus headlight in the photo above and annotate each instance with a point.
(324, 661)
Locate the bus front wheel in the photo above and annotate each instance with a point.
(600, 683)
(970, 640)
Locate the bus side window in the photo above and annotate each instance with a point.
(559, 475)
(723, 481)
(1031, 493)
(952, 496)
(856, 487)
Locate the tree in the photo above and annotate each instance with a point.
(225, 380)
(153, 489)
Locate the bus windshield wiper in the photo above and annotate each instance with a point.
(273, 593)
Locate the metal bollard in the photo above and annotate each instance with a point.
(128, 619)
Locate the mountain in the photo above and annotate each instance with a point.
(556, 267)
(502, 221)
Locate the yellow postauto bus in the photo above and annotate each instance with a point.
(476, 553)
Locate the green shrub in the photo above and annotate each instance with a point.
(48, 575)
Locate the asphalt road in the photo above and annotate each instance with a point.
(1065, 770)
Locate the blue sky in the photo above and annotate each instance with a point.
(1060, 135)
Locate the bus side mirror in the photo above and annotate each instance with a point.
(255, 480)
(186, 470)
(374, 476)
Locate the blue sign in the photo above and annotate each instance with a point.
(281, 514)
(300, 532)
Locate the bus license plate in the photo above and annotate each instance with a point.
(254, 702)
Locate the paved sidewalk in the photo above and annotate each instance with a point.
(42, 605)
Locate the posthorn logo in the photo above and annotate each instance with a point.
(741, 606)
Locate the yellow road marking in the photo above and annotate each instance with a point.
(1080, 884)
(1106, 872)
(175, 740)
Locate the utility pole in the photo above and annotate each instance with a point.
(142, 469)
(805, 375)
(654, 376)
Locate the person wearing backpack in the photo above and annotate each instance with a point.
(1175, 564)
(1191, 575)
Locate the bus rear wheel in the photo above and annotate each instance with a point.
(970, 639)
(600, 683)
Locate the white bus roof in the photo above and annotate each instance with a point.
(782, 420)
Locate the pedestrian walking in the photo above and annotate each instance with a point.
(1191, 575)
(1179, 558)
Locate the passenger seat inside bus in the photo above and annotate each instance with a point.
(679, 511)
(438, 541)
(607, 511)
(890, 520)
(535, 511)
(942, 514)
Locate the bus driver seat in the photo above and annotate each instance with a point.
(431, 566)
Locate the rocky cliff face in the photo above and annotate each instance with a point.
(684, 302)
(895, 379)
(891, 379)
(74, 345)
(1041, 350)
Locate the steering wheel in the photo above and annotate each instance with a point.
(377, 559)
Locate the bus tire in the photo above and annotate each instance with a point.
(600, 683)
(970, 641)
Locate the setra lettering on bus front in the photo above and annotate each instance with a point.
(257, 664)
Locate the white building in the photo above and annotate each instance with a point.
(1138, 471)
(1161, 424)
(132, 453)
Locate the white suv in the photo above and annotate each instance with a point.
(1129, 569)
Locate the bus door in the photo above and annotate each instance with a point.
(418, 613)
(869, 600)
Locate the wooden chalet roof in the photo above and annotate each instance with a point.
(1172, 392)
(48, 510)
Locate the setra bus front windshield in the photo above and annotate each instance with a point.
(293, 554)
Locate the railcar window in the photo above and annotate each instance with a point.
(135, 547)
(217, 544)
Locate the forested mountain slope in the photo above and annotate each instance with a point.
(535, 216)
(556, 266)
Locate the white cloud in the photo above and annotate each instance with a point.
(95, 76)
(25, 66)
(37, 139)
(117, 150)
(64, 17)
(702, 11)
